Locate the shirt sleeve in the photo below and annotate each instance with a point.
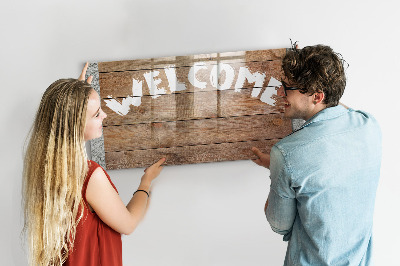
(281, 210)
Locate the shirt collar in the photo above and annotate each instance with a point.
(326, 114)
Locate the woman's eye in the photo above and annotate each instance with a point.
(97, 115)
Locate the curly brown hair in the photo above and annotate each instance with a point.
(316, 69)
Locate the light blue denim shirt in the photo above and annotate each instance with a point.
(323, 183)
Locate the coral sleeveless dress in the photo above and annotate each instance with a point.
(95, 242)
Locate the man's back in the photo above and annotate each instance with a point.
(328, 171)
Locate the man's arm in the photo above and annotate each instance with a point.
(262, 160)
(280, 213)
(280, 208)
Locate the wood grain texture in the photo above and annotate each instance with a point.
(195, 132)
(183, 155)
(149, 63)
(167, 108)
(233, 103)
(119, 84)
(187, 106)
(191, 109)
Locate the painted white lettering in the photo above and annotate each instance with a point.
(258, 78)
(136, 101)
(269, 91)
(174, 85)
(214, 76)
(229, 76)
(153, 83)
(137, 88)
(120, 108)
(192, 75)
(137, 92)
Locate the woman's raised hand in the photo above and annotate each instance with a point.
(153, 171)
(83, 74)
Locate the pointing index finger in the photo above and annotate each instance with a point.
(161, 161)
(83, 74)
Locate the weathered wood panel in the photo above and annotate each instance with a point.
(121, 84)
(183, 155)
(194, 132)
(239, 103)
(149, 63)
(187, 106)
(169, 107)
(191, 109)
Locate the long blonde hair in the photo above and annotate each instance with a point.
(55, 167)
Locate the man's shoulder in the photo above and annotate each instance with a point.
(361, 122)
(321, 130)
(367, 117)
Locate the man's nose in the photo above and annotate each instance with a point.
(280, 91)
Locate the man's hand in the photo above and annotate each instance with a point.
(263, 159)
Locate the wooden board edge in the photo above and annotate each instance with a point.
(96, 145)
(188, 60)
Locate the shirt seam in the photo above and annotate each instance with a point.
(282, 197)
(287, 168)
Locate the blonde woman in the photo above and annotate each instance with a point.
(73, 213)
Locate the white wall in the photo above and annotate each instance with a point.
(205, 214)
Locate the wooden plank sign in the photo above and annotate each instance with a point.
(189, 109)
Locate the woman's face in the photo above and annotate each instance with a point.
(94, 117)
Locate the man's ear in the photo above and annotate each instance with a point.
(318, 97)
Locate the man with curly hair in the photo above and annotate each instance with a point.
(325, 174)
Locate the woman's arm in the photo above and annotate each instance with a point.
(108, 205)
